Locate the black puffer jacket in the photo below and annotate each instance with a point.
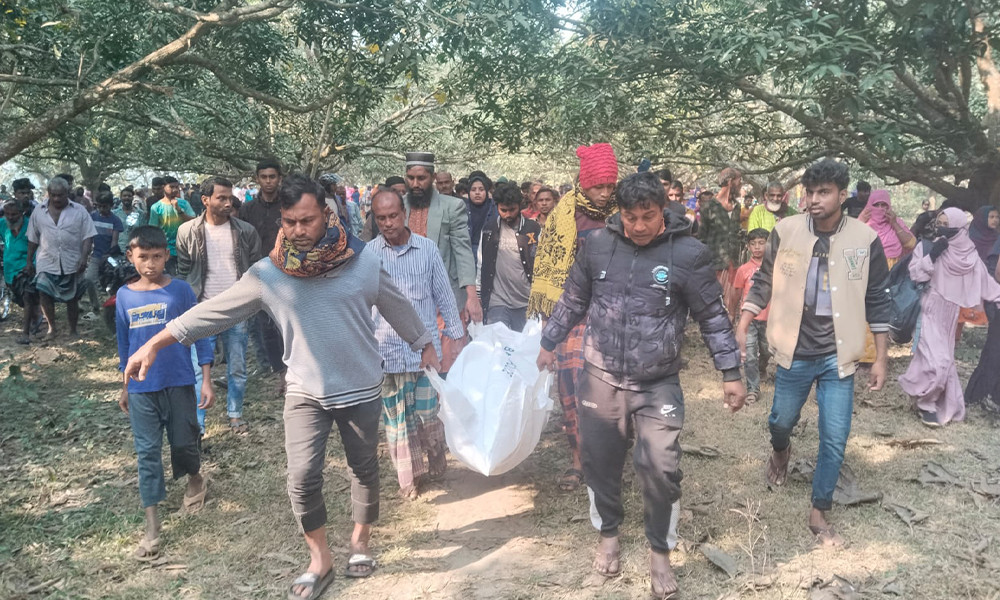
(637, 299)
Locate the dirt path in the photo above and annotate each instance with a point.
(482, 543)
(69, 515)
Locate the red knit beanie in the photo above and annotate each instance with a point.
(598, 165)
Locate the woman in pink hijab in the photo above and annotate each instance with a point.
(896, 240)
(957, 278)
(895, 235)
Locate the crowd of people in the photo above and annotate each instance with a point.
(351, 294)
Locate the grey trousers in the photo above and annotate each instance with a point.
(307, 428)
(658, 415)
(758, 354)
(514, 318)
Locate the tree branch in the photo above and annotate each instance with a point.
(21, 47)
(231, 83)
(923, 95)
(355, 6)
(252, 12)
(36, 80)
(126, 78)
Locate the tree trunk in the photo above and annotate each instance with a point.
(989, 73)
(984, 187)
(90, 177)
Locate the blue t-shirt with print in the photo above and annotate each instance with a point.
(140, 316)
(106, 228)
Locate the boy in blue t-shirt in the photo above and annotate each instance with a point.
(109, 227)
(164, 397)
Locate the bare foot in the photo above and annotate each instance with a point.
(607, 561)
(661, 574)
(437, 464)
(411, 492)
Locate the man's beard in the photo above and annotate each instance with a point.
(420, 198)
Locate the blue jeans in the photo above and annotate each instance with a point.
(150, 413)
(756, 350)
(836, 404)
(234, 348)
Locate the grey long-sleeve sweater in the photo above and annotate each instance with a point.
(325, 321)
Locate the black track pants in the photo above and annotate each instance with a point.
(658, 414)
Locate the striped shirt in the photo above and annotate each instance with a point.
(325, 323)
(418, 271)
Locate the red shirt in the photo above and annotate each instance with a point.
(743, 281)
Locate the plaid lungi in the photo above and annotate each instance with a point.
(569, 367)
(412, 429)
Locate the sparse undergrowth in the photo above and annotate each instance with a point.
(70, 517)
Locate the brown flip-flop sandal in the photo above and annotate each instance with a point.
(827, 536)
(195, 503)
(570, 480)
(611, 558)
(148, 550)
(775, 475)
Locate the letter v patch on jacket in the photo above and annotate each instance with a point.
(855, 258)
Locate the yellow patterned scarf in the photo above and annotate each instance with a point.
(557, 250)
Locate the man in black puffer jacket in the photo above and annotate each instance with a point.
(636, 282)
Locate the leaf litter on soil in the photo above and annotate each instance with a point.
(226, 546)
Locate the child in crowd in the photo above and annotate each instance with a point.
(757, 350)
(164, 397)
(109, 227)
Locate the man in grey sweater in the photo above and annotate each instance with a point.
(319, 286)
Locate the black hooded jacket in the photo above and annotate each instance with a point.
(636, 300)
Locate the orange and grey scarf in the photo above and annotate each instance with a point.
(336, 248)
